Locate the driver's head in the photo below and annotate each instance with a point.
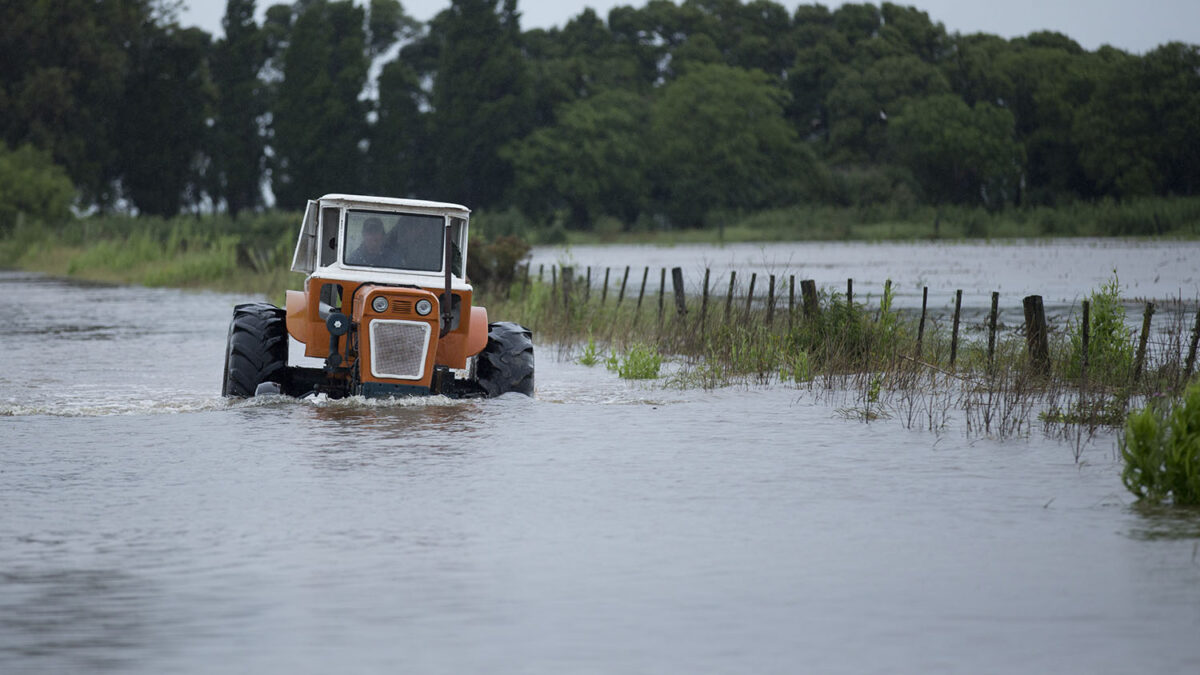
(373, 233)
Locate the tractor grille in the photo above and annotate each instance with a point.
(398, 348)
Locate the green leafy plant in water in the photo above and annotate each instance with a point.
(1110, 344)
(1161, 449)
(639, 363)
(591, 354)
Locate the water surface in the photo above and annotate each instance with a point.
(148, 526)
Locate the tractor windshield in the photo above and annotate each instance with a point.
(401, 241)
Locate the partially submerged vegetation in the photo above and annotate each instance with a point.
(877, 361)
(1161, 449)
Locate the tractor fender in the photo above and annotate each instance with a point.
(297, 316)
(477, 332)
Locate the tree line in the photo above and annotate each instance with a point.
(660, 115)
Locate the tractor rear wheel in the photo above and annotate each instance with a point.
(257, 349)
(506, 363)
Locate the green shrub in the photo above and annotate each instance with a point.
(33, 185)
(1110, 344)
(1161, 449)
(639, 363)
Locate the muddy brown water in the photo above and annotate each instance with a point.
(148, 526)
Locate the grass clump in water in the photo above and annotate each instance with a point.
(1161, 449)
(641, 362)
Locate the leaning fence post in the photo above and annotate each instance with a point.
(729, 297)
(1141, 352)
(750, 293)
(954, 333)
(541, 269)
(553, 282)
(677, 280)
(638, 310)
(1191, 357)
(992, 328)
(808, 293)
(604, 291)
(624, 280)
(704, 300)
(1036, 336)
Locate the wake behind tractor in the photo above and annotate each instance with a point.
(386, 305)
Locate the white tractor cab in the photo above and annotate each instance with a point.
(386, 304)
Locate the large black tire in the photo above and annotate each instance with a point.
(257, 349)
(506, 363)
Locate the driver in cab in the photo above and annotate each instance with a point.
(371, 250)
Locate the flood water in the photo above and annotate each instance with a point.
(148, 526)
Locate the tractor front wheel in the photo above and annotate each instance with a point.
(506, 363)
(257, 349)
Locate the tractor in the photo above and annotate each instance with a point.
(385, 311)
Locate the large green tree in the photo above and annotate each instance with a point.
(721, 142)
(238, 142)
(319, 119)
(593, 162)
(959, 154)
(1140, 132)
(65, 64)
(481, 99)
(161, 129)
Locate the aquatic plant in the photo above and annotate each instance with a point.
(1110, 344)
(1161, 449)
(640, 362)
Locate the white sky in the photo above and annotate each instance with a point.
(1133, 25)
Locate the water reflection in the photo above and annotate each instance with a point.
(1158, 522)
(64, 620)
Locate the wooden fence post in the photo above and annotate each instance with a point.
(771, 300)
(587, 290)
(624, 280)
(604, 291)
(791, 301)
(680, 300)
(1191, 357)
(568, 279)
(849, 292)
(1085, 335)
(750, 293)
(729, 297)
(1037, 337)
(704, 300)
(1140, 360)
(954, 333)
(992, 316)
(638, 310)
(662, 289)
(808, 293)
(921, 325)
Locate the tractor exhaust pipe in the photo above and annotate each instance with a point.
(447, 299)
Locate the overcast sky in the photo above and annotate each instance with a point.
(1133, 25)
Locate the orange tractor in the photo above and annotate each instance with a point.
(386, 305)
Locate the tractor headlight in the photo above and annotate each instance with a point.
(424, 307)
(379, 304)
